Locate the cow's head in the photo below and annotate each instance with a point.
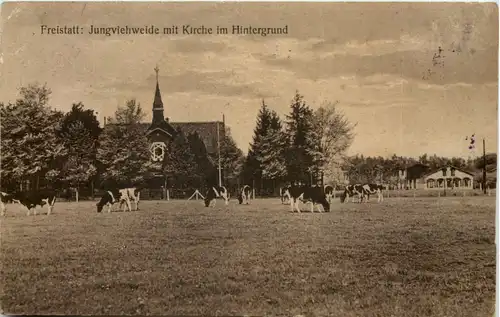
(207, 201)
(240, 199)
(342, 197)
(99, 207)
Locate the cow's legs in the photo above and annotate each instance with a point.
(312, 207)
(319, 207)
(129, 205)
(297, 201)
(109, 207)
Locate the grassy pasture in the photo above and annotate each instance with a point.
(405, 257)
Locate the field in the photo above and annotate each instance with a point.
(404, 257)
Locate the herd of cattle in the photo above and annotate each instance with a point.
(314, 195)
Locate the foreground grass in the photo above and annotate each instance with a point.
(405, 257)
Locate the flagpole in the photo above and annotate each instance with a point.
(484, 167)
(218, 151)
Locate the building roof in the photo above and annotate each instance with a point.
(446, 166)
(207, 131)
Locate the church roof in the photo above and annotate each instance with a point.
(207, 131)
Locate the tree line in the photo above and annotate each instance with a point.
(44, 146)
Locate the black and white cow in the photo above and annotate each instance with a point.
(351, 191)
(312, 195)
(31, 199)
(6, 198)
(245, 195)
(123, 195)
(285, 195)
(216, 192)
(372, 189)
(329, 192)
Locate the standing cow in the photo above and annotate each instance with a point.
(123, 195)
(30, 199)
(312, 195)
(215, 192)
(351, 191)
(245, 195)
(371, 189)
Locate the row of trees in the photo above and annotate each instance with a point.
(48, 147)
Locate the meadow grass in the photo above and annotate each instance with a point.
(403, 257)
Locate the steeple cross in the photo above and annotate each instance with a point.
(157, 70)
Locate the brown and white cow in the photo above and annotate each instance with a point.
(216, 192)
(245, 195)
(123, 195)
(308, 194)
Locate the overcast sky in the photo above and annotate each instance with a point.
(376, 59)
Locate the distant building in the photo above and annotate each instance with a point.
(411, 177)
(419, 176)
(449, 177)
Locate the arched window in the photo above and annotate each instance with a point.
(157, 150)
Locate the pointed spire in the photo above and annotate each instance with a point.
(157, 103)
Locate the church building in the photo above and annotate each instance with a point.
(160, 132)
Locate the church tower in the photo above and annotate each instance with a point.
(160, 132)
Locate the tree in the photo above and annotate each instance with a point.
(252, 165)
(330, 137)
(80, 132)
(205, 168)
(31, 149)
(232, 158)
(123, 152)
(298, 126)
(272, 156)
(180, 161)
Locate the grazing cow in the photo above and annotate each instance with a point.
(312, 195)
(371, 189)
(6, 198)
(329, 193)
(124, 196)
(285, 195)
(215, 192)
(351, 191)
(32, 199)
(245, 195)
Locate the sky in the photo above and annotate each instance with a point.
(374, 59)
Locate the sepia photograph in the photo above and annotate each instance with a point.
(248, 158)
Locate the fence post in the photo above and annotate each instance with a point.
(168, 194)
